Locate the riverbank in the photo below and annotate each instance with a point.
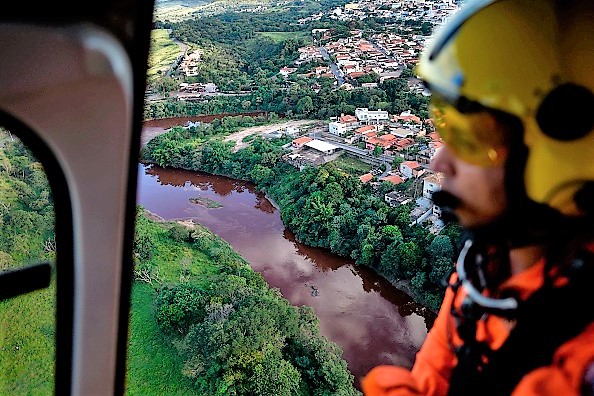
(178, 276)
(155, 127)
(403, 285)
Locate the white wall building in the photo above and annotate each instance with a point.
(410, 169)
(431, 184)
(367, 116)
(291, 131)
(337, 128)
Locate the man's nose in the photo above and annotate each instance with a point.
(441, 161)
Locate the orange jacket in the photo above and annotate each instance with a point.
(436, 358)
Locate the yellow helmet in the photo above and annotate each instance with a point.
(534, 60)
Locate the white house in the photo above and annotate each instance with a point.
(410, 169)
(402, 132)
(291, 131)
(431, 184)
(367, 116)
(337, 128)
(285, 71)
(396, 198)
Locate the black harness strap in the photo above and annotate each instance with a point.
(550, 317)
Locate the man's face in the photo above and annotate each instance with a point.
(479, 189)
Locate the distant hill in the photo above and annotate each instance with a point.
(178, 10)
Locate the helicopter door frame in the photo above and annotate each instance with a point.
(79, 88)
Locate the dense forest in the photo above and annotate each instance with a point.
(323, 206)
(299, 101)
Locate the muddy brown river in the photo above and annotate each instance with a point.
(372, 321)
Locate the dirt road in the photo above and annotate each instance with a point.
(237, 137)
(152, 128)
(157, 127)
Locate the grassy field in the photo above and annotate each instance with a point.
(352, 166)
(282, 36)
(163, 52)
(27, 328)
(154, 367)
(27, 344)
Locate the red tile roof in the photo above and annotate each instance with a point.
(412, 164)
(302, 140)
(347, 119)
(365, 178)
(356, 74)
(388, 137)
(365, 128)
(395, 179)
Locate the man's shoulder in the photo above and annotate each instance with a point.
(576, 359)
(570, 373)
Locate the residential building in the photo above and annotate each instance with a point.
(401, 132)
(367, 116)
(299, 142)
(432, 183)
(285, 71)
(366, 178)
(366, 128)
(291, 131)
(410, 169)
(337, 128)
(394, 179)
(396, 198)
(407, 116)
(348, 120)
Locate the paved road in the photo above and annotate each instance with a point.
(184, 48)
(337, 73)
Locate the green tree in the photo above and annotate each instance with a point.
(143, 246)
(179, 233)
(377, 151)
(261, 175)
(6, 261)
(305, 105)
(215, 156)
(409, 257)
(180, 306)
(441, 246)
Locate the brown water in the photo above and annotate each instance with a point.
(371, 320)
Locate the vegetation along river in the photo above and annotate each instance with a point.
(372, 321)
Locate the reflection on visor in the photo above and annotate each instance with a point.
(474, 138)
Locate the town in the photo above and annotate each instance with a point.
(399, 146)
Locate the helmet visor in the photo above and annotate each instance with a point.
(474, 137)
